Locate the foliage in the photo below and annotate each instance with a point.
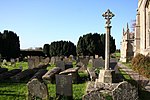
(141, 64)
(46, 49)
(91, 44)
(60, 48)
(9, 44)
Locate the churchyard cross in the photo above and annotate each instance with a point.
(107, 15)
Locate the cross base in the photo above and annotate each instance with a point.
(106, 76)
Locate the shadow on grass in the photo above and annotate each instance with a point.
(143, 94)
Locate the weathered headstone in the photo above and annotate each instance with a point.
(31, 63)
(60, 64)
(38, 75)
(84, 61)
(96, 56)
(64, 87)
(36, 61)
(68, 65)
(12, 62)
(46, 61)
(53, 60)
(4, 62)
(37, 90)
(125, 91)
(98, 63)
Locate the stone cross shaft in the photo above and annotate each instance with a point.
(107, 15)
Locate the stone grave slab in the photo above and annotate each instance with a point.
(60, 64)
(64, 86)
(37, 90)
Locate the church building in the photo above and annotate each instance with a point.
(142, 30)
(127, 45)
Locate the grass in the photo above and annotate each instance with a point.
(13, 91)
(19, 91)
(16, 66)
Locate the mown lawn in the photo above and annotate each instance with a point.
(19, 91)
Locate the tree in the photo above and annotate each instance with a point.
(94, 44)
(62, 48)
(9, 44)
(46, 49)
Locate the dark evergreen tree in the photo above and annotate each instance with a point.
(62, 48)
(94, 44)
(9, 45)
(46, 49)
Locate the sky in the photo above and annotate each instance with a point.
(39, 22)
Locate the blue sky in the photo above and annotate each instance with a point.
(38, 22)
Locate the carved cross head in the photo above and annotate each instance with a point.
(108, 15)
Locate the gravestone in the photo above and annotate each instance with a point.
(68, 65)
(4, 62)
(37, 90)
(64, 87)
(85, 61)
(31, 63)
(66, 59)
(12, 61)
(49, 77)
(46, 61)
(53, 60)
(61, 64)
(98, 63)
(73, 72)
(125, 91)
(36, 60)
(96, 56)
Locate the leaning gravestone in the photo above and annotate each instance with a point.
(64, 87)
(49, 77)
(37, 90)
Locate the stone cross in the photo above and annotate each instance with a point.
(107, 15)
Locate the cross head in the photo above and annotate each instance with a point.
(108, 15)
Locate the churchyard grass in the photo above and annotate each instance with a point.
(78, 90)
(13, 91)
(16, 66)
(18, 91)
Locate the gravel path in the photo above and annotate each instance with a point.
(134, 75)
